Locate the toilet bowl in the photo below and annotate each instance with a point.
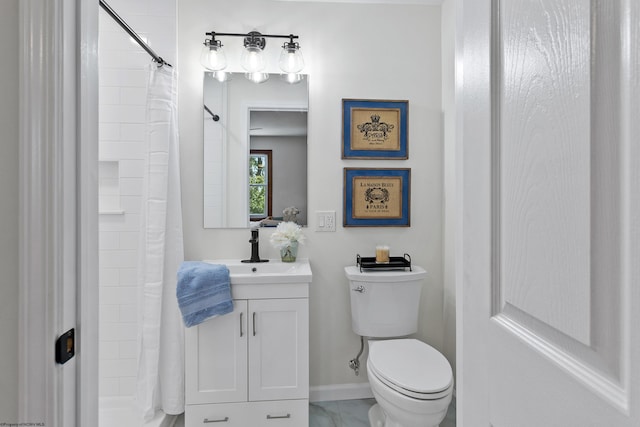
(411, 382)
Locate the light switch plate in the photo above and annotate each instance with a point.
(325, 220)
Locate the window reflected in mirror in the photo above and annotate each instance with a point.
(260, 187)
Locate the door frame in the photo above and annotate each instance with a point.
(58, 210)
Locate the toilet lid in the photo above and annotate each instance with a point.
(411, 367)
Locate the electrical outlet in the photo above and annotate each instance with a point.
(325, 220)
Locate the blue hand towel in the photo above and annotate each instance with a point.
(203, 291)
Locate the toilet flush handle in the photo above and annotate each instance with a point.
(360, 289)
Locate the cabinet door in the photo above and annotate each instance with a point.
(216, 358)
(279, 349)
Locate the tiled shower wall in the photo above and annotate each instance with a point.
(123, 78)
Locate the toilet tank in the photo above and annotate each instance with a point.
(385, 303)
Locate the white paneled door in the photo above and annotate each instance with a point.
(549, 231)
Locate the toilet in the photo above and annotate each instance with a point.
(411, 381)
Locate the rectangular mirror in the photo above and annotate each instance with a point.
(255, 151)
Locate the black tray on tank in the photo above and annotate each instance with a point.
(395, 263)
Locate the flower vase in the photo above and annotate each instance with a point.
(289, 252)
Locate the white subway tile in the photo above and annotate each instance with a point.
(118, 332)
(109, 277)
(165, 19)
(122, 150)
(131, 204)
(122, 114)
(129, 276)
(133, 132)
(134, 96)
(109, 95)
(163, 42)
(108, 241)
(109, 336)
(123, 77)
(123, 57)
(109, 313)
(108, 350)
(112, 223)
(128, 222)
(118, 368)
(108, 387)
(128, 349)
(112, 40)
(131, 168)
(118, 259)
(164, 7)
(128, 313)
(129, 240)
(109, 259)
(108, 132)
(109, 186)
(117, 295)
(129, 7)
(128, 386)
(129, 367)
(131, 186)
(107, 204)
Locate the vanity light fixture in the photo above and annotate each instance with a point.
(252, 59)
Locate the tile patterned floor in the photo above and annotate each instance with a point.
(354, 413)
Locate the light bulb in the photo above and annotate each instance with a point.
(291, 60)
(252, 59)
(212, 56)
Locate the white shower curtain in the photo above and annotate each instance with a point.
(161, 333)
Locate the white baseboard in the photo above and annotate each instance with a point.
(323, 393)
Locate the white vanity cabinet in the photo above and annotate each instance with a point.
(251, 367)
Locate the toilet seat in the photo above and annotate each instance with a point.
(412, 368)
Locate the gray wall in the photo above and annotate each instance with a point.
(9, 211)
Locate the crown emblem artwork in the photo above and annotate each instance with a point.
(375, 129)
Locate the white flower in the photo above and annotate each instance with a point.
(291, 210)
(285, 234)
(290, 213)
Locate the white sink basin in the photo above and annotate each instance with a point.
(274, 271)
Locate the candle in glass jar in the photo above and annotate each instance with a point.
(382, 254)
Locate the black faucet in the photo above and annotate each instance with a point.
(255, 257)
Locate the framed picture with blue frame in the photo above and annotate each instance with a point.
(377, 197)
(374, 129)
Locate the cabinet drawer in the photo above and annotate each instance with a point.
(277, 413)
(294, 413)
(217, 415)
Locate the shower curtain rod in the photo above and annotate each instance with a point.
(214, 116)
(133, 34)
